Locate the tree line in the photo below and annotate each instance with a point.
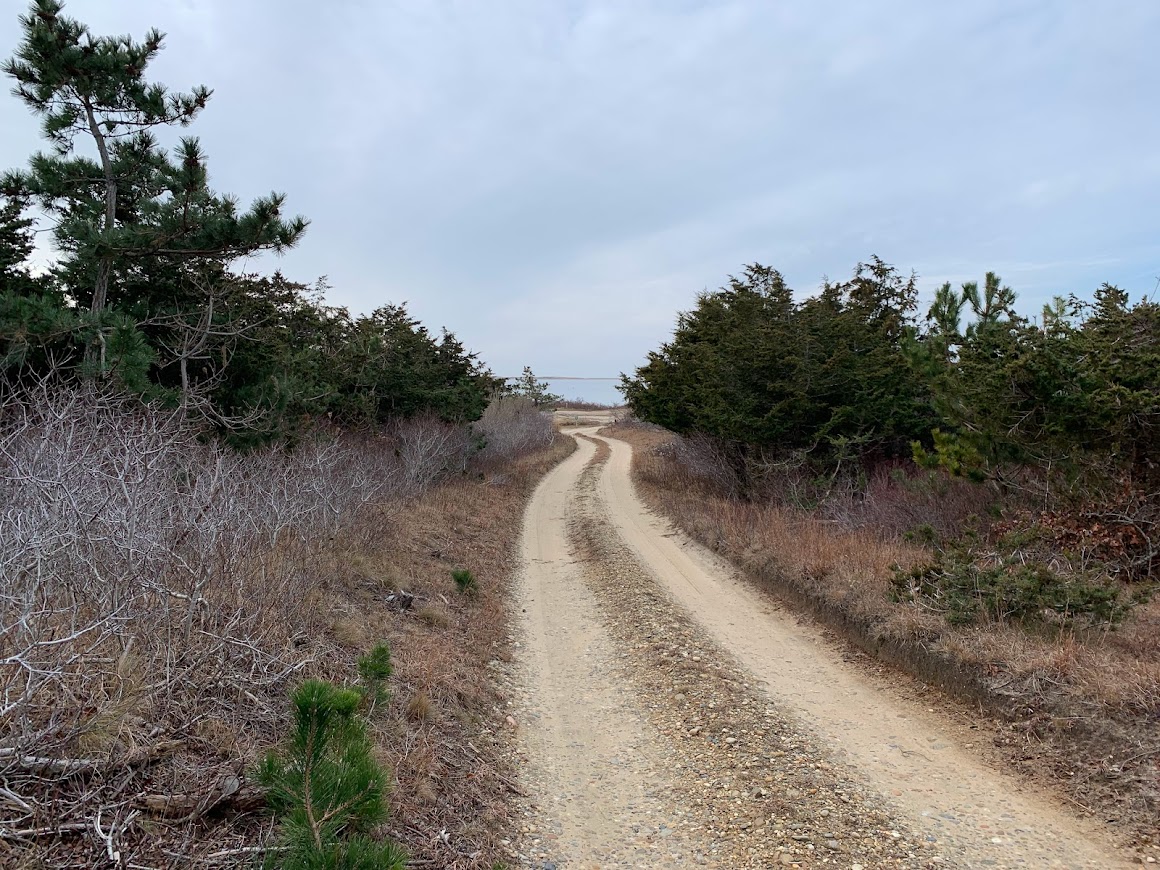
(855, 373)
(144, 292)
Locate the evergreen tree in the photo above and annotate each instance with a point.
(134, 206)
(530, 387)
(34, 320)
(326, 787)
(389, 366)
(755, 370)
(15, 245)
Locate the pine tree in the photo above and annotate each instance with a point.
(531, 387)
(134, 204)
(15, 244)
(327, 788)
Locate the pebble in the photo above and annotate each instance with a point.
(727, 809)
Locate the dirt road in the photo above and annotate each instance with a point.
(673, 716)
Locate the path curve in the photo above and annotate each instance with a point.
(607, 786)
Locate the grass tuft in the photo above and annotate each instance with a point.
(465, 582)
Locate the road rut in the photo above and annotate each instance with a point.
(671, 715)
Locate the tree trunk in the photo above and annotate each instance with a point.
(101, 288)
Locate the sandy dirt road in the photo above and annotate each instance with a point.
(671, 715)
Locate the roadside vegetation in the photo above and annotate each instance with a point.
(232, 518)
(971, 494)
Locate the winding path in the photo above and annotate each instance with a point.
(673, 715)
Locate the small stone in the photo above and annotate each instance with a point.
(832, 845)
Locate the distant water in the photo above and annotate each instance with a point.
(588, 389)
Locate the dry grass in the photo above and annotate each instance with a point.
(162, 596)
(581, 405)
(442, 733)
(434, 616)
(1080, 708)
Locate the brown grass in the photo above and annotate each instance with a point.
(419, 708)
(442, 733)
(1079, 708)
(152, 719)
(437, 617)
(581, 405)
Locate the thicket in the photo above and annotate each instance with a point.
(819, 403)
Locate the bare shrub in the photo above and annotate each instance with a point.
(698, 463)
(428, 448)
(152, 582)
(897, 499)
(512, 426)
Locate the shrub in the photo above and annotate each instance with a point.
(125, 537)
(429, 448)
(465, 580)
(967, 586)
(374, 669)
(708, 463)
(326, 787)
(512, 426)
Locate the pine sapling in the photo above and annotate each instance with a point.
(326, 787)
(373, 669)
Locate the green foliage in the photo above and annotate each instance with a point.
(952, 454)
(465, 581)
(1076, 391)
(143, 294)
(16, 244)
(529, 387)
(968, 586)
(850, 375)
(326, 788)
(373, 669)
(134, 206)
(389, 366)
(754, 369)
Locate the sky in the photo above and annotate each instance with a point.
(553, 180)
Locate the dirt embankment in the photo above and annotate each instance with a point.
(1070, 713)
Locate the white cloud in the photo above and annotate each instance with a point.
(552, 180)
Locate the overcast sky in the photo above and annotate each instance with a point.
(554, 180)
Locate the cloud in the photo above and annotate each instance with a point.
(554, 179)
